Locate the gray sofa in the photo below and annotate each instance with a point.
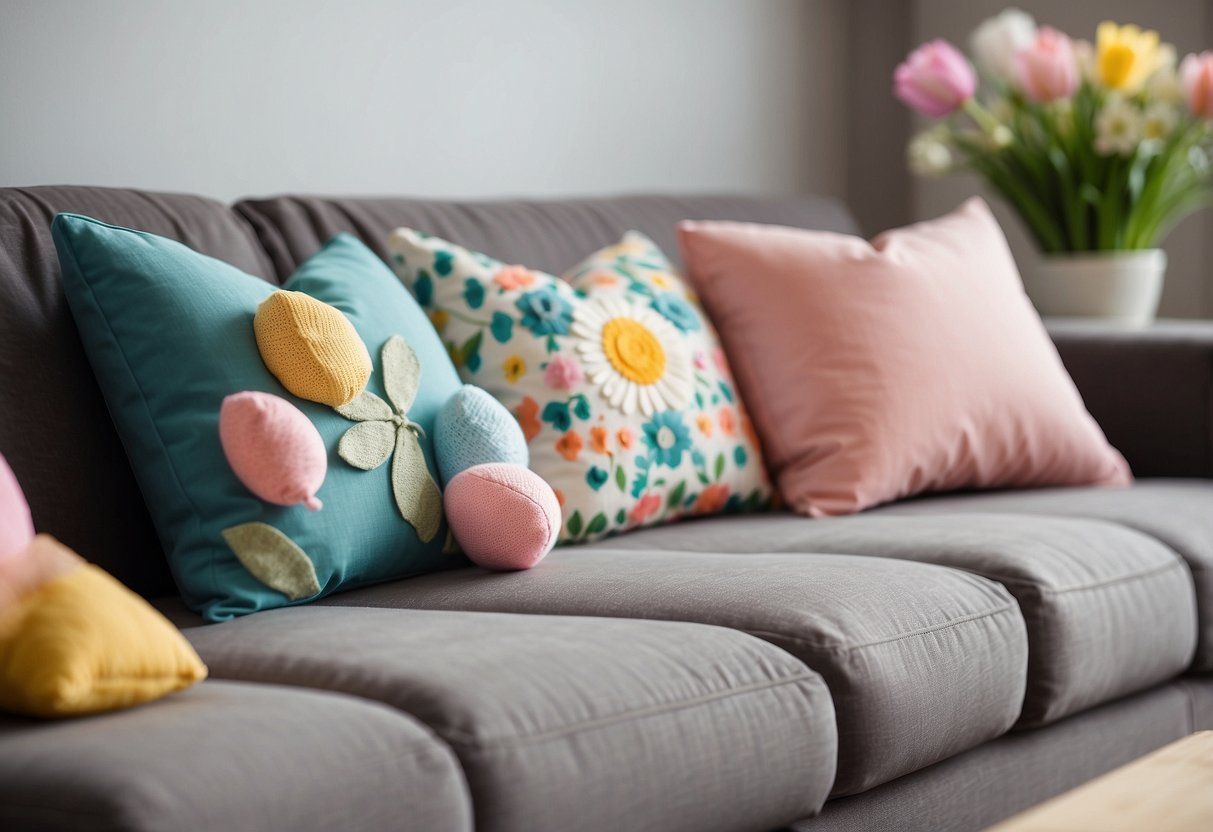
(937, 664)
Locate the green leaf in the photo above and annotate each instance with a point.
(621, 517)
(274, 559)
(574, 524)
(367, 445)
(471, 346)
(417, 495)
(401, 372)
(675, 497)
(597, 524)
(621, 478)
(719, 469)
(366, 407)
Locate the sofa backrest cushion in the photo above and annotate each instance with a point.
(551, 235)
(54, 427)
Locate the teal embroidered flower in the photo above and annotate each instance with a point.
(557, 415)
(596, 477)
(473, 293)
(502, 327)
(423, 288)
(544, 312)
(444, 261)
(667, 437)
(677, 311)
(739, 456)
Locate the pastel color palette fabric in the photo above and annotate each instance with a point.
(170, 334)
(614, 373)
(909, 364)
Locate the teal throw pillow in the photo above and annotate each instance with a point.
(169, 333)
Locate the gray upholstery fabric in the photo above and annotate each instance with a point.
(1006, 776)
(552, 235)
(1109, 610)
(1148, 389)
(231, 756)
(922, 662)
(570, 723)
(1179, 513)
(56, 432)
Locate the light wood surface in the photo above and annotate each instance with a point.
(1170, 790)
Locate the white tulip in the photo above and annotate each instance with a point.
(929, 154)
(1165, 84)
(1118, 127)
(996, 40)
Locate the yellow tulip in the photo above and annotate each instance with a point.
(1125, 56)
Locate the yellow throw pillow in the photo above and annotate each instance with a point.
(83, 643)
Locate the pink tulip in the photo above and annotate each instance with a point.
(1046, 68)
(936, 80)
(1197, 74)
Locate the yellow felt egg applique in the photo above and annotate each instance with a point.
(311, 348)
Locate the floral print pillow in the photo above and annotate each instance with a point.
(614, 373)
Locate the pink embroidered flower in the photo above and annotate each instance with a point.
(701, 360)
(512, 278)
(563, 373)
(626, 438)
(722, 363)
(646, 507)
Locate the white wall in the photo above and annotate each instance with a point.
(423, 97)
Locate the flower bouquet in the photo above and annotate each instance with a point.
(1098, 148)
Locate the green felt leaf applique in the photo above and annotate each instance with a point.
(384, 430)
(274, 559)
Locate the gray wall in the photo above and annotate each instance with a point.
(423, 97)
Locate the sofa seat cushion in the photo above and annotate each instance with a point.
(1177, 512)
(555, 720)
(1109, 610)
(225, 755)
(922, 662)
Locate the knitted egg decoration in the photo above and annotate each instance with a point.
(504, 516)
(16, 525)
(312, 348)
(274, 450)
(473, 428)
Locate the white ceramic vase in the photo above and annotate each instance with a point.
(1122, 287)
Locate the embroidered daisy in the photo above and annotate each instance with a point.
(634, 354)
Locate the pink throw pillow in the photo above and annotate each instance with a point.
(879, 370)
(16, 525)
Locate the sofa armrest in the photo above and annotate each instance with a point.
(1151, 390)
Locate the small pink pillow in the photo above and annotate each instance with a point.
(16, 525)
(504, 516)
(273, 448)
(879, 370)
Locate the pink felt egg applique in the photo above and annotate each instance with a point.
(504, 516)
(16, 526)
(274, 450)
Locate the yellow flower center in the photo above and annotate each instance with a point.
(633, 350)
(1116, 65)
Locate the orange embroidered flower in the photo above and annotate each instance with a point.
(559, 496)
(511, 278)
(598, 440)
(604, 279)
(645, 508)
(711, 499)
(626, 437)
(747, 429)
(527, 415)
(439, 318)
(570, 445)
(704, 422)
(728, 423)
